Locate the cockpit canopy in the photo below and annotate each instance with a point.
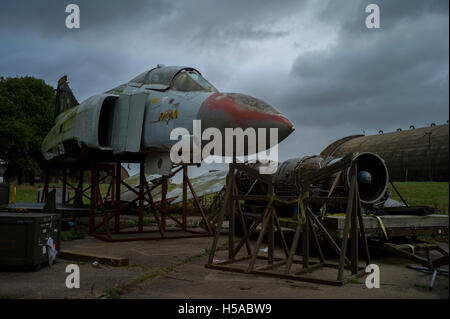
(175, 77)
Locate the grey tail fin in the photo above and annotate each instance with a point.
(64, 97)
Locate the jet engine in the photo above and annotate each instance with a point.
(373, 178)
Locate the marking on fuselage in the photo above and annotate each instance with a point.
(168, 115)
(155, 100)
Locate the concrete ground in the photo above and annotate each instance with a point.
(174, 268)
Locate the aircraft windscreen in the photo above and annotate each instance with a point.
(191, 81)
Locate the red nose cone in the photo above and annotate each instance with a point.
(231, 110)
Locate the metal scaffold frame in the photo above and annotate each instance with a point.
(110, 205)
(306, 230)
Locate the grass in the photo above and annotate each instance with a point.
(356, 281)
(126, 224)
(29, 194)
(434, 194)
(77, 232)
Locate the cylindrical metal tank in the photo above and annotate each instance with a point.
(410, 155)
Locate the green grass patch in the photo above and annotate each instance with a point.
(433, 194)
(77, 232)
(29, 194)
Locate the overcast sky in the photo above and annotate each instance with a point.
(315, 61)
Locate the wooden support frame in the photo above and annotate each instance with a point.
(282, 267)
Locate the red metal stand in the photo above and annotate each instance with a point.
(110, 206)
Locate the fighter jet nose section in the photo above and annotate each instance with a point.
(233, 110)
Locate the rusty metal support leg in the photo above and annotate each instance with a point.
(154, 209)
(184, 208)
(113, 187)
(110, 191)
(163, 202)
(46, 186)
(78, 200)
(92, 201)
(98, 193)
(117, 200)
(199, 206)
(141, 196)
(64, 185)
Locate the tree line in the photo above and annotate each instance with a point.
(26, 116)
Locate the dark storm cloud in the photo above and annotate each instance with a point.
(48, 16)
(231, 20)
(190, 19)
(394, 76)
(116, 36)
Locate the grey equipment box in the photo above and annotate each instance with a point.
(23, 238)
